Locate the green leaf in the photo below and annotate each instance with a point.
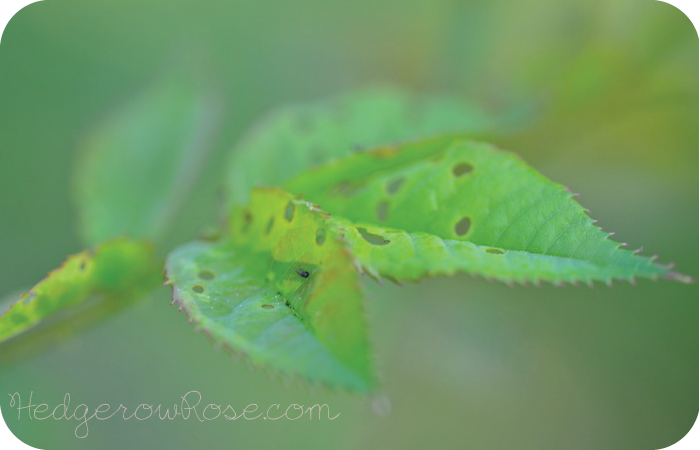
(281, 290)
(451, 204)
(107, 278)
(137, 166)
(298, 137)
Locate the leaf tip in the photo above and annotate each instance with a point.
(677, 276)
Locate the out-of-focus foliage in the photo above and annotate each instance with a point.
(136, 167)
(110, 276)
(297, 137)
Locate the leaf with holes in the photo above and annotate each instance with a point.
(281, 289)
(451, 204)
(298, 137)
(88, 285)
(137, 166)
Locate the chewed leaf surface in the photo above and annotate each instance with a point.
(298, 137)
(281, 290)
(447, 204)
(114, 274)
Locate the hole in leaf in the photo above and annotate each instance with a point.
(495, 251)
(320, 236)
(462, 169)
(198, 288)
(289, 212)
(394, 186)
(303, 273)
(206, 275)
(462, 226)
(247, 220)
(344, 188)
(267, 306)
(373, 239)
(270, 223)
(382, 208)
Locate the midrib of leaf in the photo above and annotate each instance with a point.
(412, 256)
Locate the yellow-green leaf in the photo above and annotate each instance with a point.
(106, 278)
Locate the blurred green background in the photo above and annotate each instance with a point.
(604, 98)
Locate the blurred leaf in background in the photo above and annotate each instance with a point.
(135, 169)
(302, 136)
